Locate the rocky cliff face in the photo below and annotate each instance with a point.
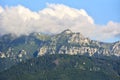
(71, 43)
(116, 49)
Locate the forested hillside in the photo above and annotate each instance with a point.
(64, 67)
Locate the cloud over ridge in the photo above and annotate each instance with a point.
(54, 19)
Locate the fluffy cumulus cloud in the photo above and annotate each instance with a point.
(54, 19)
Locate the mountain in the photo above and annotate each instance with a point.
(15, 49)
(71, 43)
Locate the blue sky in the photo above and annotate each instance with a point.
(104, 13)
(101, 11)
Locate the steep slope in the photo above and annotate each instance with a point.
(17, 49)
(116, 48)
(71, 43)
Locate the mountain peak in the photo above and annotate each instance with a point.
(67, 31)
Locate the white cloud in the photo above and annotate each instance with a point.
(62, 11)
(54, 19)
(110, 30)
(1, 9)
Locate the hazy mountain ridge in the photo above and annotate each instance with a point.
(15, 49)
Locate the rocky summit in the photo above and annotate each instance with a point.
(72, 43)
(14, 49)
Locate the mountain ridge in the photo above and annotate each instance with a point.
(17, 49)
